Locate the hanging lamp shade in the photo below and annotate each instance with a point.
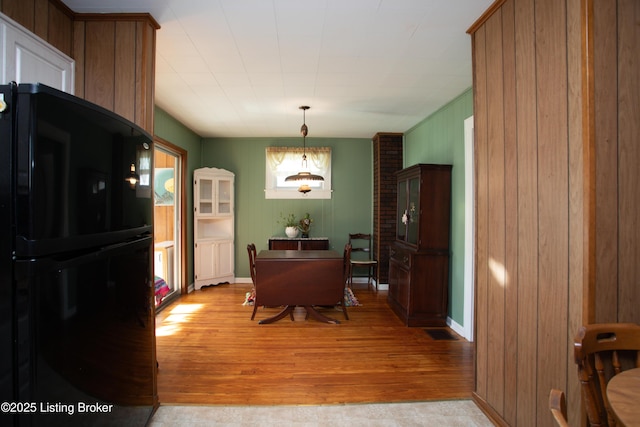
(304, 175)
(132, 178)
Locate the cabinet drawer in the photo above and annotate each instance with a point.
(302, 244)
(401, 256)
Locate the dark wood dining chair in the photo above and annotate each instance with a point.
(558, 407)
(251, 251)
(361, 257)
(601, 351)
(346, 270)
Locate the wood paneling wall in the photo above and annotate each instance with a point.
(52, 21)
(616, 27)
(557, 113)
(114, 53)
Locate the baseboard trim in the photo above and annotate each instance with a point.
(456, 327)
(488, 410)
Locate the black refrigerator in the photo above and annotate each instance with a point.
(77, 328)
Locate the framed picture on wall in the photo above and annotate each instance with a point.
(163, 186)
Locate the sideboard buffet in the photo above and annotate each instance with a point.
(299, 243)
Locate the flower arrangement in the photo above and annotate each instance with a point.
(305, 224)
(290, 225)
(289, 220)
(409, 216)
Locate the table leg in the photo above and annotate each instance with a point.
(319, 316)
(287, 311)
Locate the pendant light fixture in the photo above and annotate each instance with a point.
(304, 176)
(132, 178)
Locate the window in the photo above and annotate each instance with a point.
(282, 162)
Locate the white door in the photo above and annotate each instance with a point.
(168, 218)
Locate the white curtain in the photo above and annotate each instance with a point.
(284, 161)
(318, 158)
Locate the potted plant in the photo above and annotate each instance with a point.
(290, 225)
(305, 224)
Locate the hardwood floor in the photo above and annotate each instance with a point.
(210, 352)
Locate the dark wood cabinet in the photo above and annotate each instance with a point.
(300, 244)
(419, 257)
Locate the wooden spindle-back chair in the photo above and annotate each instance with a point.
(601, 351)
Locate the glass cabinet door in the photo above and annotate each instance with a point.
(413, 211)
(224, 197)
(205, 196)
(401, 233)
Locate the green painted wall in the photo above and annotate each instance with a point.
(437, 139)
(171, 130)
(349, 210)
(440, 139)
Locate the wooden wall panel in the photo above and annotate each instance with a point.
(125, 69)
(496, 213)
(511, 212)
(527, 178)
(60, 29)
(145, 70)
(21, 11)
(99, 63)
(581, 212)
(553, 164)
(557, 111)
(629, 155)
(79, 28)
(606, 160)
(52, 21)
(119, 63)
(41, 19)
(482, 196)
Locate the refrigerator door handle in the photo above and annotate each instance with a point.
(37, 266)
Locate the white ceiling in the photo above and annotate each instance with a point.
(231, 68)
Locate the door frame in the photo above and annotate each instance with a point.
(182, 226)
(469, 229)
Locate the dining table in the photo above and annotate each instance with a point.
(623, 393)
(299, 278)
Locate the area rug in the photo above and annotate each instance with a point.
(350, 299)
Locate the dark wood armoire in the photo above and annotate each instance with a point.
(419, 257)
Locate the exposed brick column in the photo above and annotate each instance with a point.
(387, 159)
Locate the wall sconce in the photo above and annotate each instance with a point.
(133, 178)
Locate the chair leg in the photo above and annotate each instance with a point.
(373, 276)
(344, 311)
(255, 307)
(375, 267)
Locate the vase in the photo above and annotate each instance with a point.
(291, 232)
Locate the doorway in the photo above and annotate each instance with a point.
(168, 210)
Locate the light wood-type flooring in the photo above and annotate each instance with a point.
(211, 353)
